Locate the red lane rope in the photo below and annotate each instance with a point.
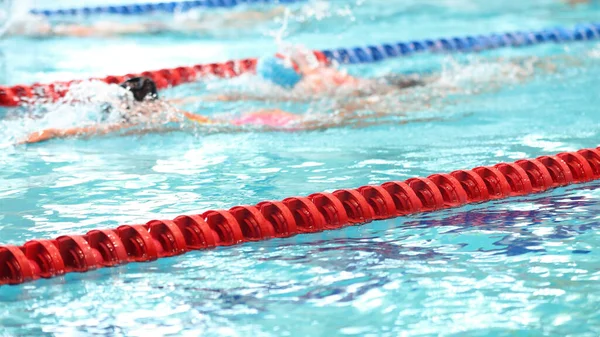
(11, 96)
(296, 215)
(164, 78)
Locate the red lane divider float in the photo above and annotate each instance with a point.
(296, 215)
(164, 78)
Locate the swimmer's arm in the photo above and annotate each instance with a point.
(102, 29)
(240, 19)
(48, 134)
(95, 130)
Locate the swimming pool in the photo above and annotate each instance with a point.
(523, 266)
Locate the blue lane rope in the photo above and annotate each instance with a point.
(169, 7)
(376, 53)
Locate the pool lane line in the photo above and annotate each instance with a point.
(149, 8)
(294, 215)
(11, 96)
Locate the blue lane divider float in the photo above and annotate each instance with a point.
(145, 8)
(375, 53)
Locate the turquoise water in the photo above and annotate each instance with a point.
(519, 267)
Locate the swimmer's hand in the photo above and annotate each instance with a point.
(41, 136)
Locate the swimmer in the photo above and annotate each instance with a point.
(141, 107)
(38, 26)
(299, 76)
(302, 77)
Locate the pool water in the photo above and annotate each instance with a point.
(520, 267)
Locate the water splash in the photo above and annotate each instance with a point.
(13, 12)
(84, 104)
(5, 11)
(482, 75)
